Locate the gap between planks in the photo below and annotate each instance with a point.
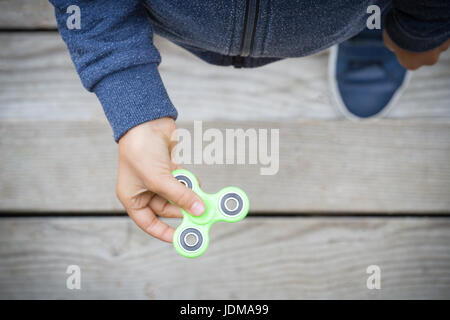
(251, 215)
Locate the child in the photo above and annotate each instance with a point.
(115, 58)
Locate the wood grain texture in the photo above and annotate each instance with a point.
(38, 81)
(325, 166)
(26, 14)
(258, 258)
(57, 154)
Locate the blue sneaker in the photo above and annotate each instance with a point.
(365, 77)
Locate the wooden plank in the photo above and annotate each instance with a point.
(26, 14)
(38, 82)
(56, 151)
(258, 258)
(324, 166)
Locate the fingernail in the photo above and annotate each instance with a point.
(197, 208)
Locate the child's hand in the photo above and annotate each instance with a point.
(145, 182)
(415, 60)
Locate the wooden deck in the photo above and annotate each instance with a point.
(260, 258)
(347, 195)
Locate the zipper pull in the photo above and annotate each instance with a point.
(237, 61)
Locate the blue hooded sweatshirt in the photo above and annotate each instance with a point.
(114, 55)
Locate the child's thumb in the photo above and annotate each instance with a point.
(183, 197)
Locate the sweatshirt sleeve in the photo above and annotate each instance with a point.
(418, 25)
(114, 55)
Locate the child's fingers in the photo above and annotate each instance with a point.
(146, 219)
(175, 166)
(163, 208)
(171, 189)
(136, 199)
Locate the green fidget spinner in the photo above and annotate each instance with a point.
(230, 204)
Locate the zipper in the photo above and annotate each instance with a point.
(251, 15)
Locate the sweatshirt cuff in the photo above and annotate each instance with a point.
(133, 96)
(408, 41)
